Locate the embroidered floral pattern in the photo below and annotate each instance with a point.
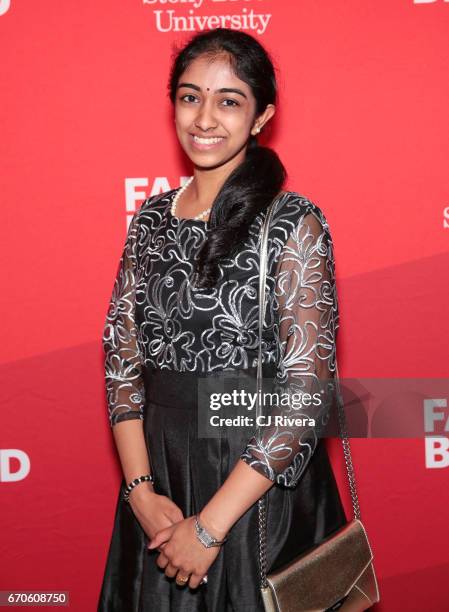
(158, 318)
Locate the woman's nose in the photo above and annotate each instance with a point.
(205, 118)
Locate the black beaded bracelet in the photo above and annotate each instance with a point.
(134, 483)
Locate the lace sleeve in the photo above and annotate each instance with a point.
(122, 364)
(306, 302)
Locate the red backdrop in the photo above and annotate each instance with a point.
(86, 134)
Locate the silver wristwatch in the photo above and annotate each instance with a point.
(204, 537)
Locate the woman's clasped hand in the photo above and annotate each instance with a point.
(153, 511)
(182, 554)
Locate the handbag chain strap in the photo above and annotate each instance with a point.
(262, 515)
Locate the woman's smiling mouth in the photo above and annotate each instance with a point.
(205, 143)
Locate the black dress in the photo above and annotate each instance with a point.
(165, 339)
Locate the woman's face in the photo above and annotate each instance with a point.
(203, 111)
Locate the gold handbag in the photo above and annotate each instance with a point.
(337, 574)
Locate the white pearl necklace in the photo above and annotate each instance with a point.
(178, 194)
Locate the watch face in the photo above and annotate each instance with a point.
(205, 538)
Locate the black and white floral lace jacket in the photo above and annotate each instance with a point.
(157, 317)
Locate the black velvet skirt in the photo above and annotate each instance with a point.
(189, 469)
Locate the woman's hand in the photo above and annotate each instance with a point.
(183, 552)
(153, 511)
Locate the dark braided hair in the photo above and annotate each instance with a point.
(253, 184)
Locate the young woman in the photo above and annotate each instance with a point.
(184, 309)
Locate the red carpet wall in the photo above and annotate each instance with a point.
(87, 134)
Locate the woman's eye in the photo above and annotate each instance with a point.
(234, 103)
(187, 96)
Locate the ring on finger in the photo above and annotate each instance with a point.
(182, 580)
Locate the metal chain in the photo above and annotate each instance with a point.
(263, 501)
(346, 448)
(262, 541)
